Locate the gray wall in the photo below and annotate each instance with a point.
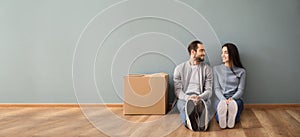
(47, 45)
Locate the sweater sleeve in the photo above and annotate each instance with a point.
(217, 86)
(241, 86)
(207, 93)
(178, 84)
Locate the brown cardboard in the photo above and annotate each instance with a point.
(146, 93)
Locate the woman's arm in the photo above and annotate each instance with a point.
(217, 85)
(241, 86)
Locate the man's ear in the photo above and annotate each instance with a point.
(193, 52)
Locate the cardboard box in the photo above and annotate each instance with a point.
(146, 93)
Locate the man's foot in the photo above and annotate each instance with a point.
(200, 107)
(191, 115)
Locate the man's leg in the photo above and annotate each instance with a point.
(181, 107)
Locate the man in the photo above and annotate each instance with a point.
(193, 88)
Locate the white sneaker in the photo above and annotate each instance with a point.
(232, 111)
(222, 112)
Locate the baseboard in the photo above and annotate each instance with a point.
(121, 105)
(270, 105)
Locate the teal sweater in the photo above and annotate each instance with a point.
(227, 84)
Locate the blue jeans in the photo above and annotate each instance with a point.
(181, 107)
(240, 105)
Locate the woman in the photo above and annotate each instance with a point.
(229, 80)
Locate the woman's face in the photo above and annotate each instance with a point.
(225, 55)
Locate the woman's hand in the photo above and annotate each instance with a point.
(228, 100)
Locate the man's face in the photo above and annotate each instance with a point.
(200, 54)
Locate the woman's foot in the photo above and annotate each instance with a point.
(222, 112)
(232, 111)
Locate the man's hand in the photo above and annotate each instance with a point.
(195, 98)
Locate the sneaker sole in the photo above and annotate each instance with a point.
(203, 119)
(232, 111)
(189, 107)
(222, 112)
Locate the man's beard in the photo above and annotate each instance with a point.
(199, 59)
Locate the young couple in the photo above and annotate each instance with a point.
(193, 82)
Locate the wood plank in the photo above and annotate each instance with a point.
(271, 119)
(291, 124)
(255, 132)
(71, 121)
(264, 117)
(294, 113)
(214, 125)
(230, 133)
(295, 105)
(275, 131)
(249, 120)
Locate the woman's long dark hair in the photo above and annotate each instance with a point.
(234, 56)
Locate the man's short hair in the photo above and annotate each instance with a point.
(194, 46)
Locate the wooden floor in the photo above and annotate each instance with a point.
(72, 122)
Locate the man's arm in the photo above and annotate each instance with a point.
(207, 84)
(178, 86)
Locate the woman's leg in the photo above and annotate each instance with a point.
(215, 105)
(217, 117)
(240, 105)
